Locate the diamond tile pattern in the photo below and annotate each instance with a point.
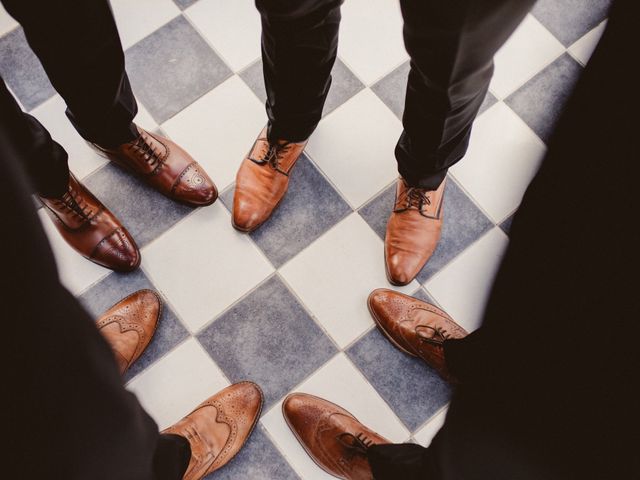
(285, 306)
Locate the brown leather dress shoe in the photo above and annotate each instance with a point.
(91, 229)
(262, 181)
(219, 427)
(165, 167)
(334, 439)
(413, 231)
(415, 327)
(129, 325)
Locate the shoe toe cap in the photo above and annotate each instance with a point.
(303, 414)
(402, 268)
(117, 252)
(195, 187)
(247, 214)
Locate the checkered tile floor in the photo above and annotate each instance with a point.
(285, 306)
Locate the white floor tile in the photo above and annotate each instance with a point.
(426, 433)
(462, 288)
(232, 27)
(82, 159)
(144, 119)
(203, 265)
(76, 272)
(341, 383)
(139, 18)
(371, 38)
(335, 275)
(7, 23)
(354, 147)
(219, 129)
(504, 155)
(529, 50)
(584, 47)
(177, 383)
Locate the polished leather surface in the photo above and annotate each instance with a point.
(333, 438)
(91, 229)
(166, 167)
(415, 327)
(219, 427)
(129, 325)
(262, 181)
(413, 231)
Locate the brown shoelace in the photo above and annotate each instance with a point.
(439, 335)
(354, 444)
(76, 204)
(144, 148)
(273, 155)
(414, 197)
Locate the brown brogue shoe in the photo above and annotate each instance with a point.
(165, 167)
(415, 327)
(413, 231)
(129, 325)
(334, 439)
(219, 427)
(91, 229)
(262, 181)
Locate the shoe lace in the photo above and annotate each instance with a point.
(415, 197)
(354, 444)
(146, 149)
(437, 335)
(273, 155)
(76, 204)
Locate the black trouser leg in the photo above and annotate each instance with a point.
(451, 45)
(68, 414)
(299, 48)
(79, 47)
(45, 160)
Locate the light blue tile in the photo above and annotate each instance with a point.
(569, 20)
(541, 100)
(268, 338)
(22, 71)
(414, 391)
(173, 67)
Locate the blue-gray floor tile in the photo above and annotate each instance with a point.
(463, 223)
(22, 71)
(506, 225)
(258, 459)
(184, 3)
(143, 211)
(344, 85)
(569, 20)
(116, 286)
(164, 78)
(275, 343)
(310, 207)
(541, 100)
(392, 89)
(414, 391)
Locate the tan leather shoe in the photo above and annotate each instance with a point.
(91, 229)
(262, 181)
(165, 167)
(334, 439)
(415, 327)
(219, 427)
(129, 325)
(413, 231)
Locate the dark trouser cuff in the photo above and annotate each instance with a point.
(277, 132)
(171, 457)
(406, 461)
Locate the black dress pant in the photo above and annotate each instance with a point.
(550, 377)
(78, 45)
(451, 44)
(66, 414)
